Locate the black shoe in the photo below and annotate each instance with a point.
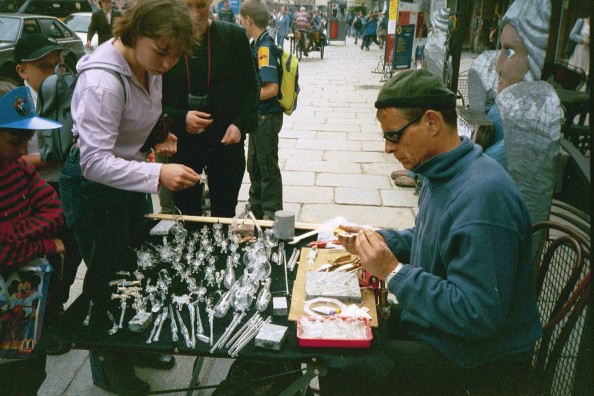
(57, 349)
(158, 362)
(120, 376)
(129, 387)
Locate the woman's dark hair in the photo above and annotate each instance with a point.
(155, 19)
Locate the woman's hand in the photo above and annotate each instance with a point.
(197, 121)
(176, 177)
(168, 147)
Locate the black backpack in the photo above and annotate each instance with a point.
(358, 24)
(53, 102)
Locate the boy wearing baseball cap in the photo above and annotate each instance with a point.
(30, 217)
(36, 57)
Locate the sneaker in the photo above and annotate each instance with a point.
(405, 181)
(398, 173)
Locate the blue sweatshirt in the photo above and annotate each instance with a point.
(467, 286)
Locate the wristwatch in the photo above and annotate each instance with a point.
(394, 272)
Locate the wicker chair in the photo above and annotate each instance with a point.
(563, 290)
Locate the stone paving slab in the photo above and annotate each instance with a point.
(378, 216)
(357, 196)
(322, 166)
(342, 180)
(355, 156)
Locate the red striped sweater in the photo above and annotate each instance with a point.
(30, 215)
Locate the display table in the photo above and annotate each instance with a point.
(70, 331)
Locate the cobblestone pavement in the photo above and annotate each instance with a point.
(333, 164)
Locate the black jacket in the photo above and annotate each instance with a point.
(234, 89)
(100, 26)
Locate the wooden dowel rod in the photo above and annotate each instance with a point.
(226, 220)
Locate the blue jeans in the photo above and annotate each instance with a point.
(106, 222)
(358, 33)
(266, 190)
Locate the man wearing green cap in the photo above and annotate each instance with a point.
(466, 318)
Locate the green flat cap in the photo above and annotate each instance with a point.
(416, 88)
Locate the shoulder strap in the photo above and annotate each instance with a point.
(115, 74)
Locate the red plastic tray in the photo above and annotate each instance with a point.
(334, 342)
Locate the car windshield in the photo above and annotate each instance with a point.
(9, 29)
(78, 23)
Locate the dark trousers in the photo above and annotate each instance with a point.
(413, 367)
(107, 223)
(266, 189)
(23, 376)
(368, 39)
(224, 165)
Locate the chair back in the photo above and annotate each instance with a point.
(563, 75)
(563, 290)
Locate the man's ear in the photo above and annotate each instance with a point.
(22, 71)
(434, 120)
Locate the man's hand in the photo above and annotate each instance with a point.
(232, 135)
(349, 237)
(374, 253)
(176, 177)
(60, 249)
(168, 147)
(197, 121)
(88, 44)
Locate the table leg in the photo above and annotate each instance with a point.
(195, 374)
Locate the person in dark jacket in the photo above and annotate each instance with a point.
(102, 22)
(370, 32)
(212, 97)
(226, 13)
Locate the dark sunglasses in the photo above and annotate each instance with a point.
(394, 136)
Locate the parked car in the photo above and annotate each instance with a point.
(79, 23)
(14, 26)
(56, 8)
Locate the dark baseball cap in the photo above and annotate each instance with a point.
(33, 47)
(415, 88)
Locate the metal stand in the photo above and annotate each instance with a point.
(313, 369)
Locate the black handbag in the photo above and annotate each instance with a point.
(569, 48)
(570, 45)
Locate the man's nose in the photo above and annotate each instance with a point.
(389, 147)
